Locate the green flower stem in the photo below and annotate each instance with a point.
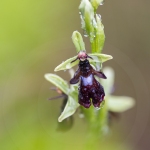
(97, 125)
(103, 119)
(91, 116)
(97, 120)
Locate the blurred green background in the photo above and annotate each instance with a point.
(35, 36)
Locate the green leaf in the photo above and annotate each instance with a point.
(69, 110)
(78, 41)
(58, 82)
(120, 103)
(99, 57)
(67, 64)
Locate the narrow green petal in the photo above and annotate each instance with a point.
(58, 82)
(100, 57)
(120, 103)
(67, 64)
(69, 110)
(78, 41)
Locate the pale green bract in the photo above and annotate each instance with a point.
(58, 82)
(69, 109)
(115, 103)
(109, 83)
(96, 58)
(99, 39)
(120, 103)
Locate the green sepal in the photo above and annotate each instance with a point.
(58, 82)
(99, 57)
(120, 103)
(69, 109)
(67, 64)
(109, 83)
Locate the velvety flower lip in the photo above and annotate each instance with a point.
(89, 87)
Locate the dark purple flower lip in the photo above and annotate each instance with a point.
(89, 89)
